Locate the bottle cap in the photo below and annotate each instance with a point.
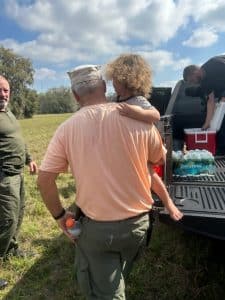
(70, 222)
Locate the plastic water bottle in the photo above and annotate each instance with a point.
(73, 227)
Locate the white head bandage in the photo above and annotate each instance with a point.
(84, 74)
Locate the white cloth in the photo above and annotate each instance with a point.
(83, 74)
(218, 116)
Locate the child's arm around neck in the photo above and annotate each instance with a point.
(138, 113)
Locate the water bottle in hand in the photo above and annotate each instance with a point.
(73, 227)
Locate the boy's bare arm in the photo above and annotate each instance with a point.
(138, 113)
(160, 189)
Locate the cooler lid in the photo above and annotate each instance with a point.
(198, 130)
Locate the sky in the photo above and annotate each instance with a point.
(58, 35)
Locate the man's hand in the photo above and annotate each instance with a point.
(47, 185)
(62, 224)
(205, 126)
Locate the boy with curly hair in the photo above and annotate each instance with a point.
(131, 76)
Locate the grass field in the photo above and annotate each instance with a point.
(176, 266)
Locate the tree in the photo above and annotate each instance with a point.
(56, 101)
(19, 72)
(31, 104)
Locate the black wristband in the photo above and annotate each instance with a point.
(60, 215)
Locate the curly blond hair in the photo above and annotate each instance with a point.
(132, 71)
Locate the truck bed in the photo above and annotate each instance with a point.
(202, 200)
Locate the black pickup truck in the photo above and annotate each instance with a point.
(201, 199)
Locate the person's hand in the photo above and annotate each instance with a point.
(205, 126)
(62, 224)
(130, 111)
(33, 167)
(174, 212)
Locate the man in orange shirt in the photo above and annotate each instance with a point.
(108, 155)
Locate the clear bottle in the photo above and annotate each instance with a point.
(73, 227)
(184, 150)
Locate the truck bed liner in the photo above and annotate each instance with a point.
(202, 200)
(199, 199)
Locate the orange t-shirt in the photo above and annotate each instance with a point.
(107, 154)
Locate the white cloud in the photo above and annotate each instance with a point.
(67, 31)
(169, 83)
(159, 21)
(46, 51)
(202, 37)
(179, 64)
(76, 30)
(45, 73)
(162, 59)
(210, 12)
(45, 78)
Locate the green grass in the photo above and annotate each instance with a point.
(176, 266)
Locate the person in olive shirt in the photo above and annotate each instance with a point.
(13, 157)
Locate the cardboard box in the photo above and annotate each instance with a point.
(195, 138)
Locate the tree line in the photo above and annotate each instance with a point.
(25, 101)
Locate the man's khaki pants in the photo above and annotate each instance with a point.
(105, 254)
